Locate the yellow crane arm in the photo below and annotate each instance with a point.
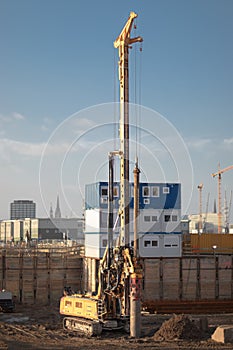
(222, 171)
(124, 37)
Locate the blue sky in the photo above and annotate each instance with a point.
(57, 59)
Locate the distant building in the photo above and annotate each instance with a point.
(11, 230)
(42, 229)
(209, 223)
(21, 209)
(60, 229)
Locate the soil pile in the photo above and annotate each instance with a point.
(178, 327)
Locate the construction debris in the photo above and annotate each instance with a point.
(179, 327)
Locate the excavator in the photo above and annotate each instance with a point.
(120, 272)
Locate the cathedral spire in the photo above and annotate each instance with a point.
(58, 210)
(51, 211)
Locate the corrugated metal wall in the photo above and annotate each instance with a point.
(205, 242)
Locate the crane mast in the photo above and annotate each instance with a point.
(200, 223)
(123, 43)
(219, 175)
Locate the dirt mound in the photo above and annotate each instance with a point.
(178, 327)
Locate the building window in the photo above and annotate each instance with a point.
(167, 218)
(174, 217)
(104, 191)
(155, 191)
(166, 190)
(154, 218)
(146, 191)
(170, 245)
(154, 243)
(115, 191)
(104, 243)
(146, 201)
(146, 218)
(147, 244)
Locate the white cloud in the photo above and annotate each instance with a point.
(20, 148)
(82, 125)
(228, 141)
(9, 146)
(56, 148)
(18, 116)
(210, 144)
(198, 144)
(11, 118)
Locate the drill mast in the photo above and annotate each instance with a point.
(123, 43)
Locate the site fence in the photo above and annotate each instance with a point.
(39, 275)
(207, 277)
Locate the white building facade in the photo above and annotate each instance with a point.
(42, 229)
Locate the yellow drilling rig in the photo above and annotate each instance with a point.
(117, 302)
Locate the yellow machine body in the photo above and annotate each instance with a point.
(78, 305)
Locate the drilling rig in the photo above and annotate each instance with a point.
(117, 302)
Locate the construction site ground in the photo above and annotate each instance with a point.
(40, 327)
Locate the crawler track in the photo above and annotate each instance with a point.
(189, 307)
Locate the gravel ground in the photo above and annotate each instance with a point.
(35, 327)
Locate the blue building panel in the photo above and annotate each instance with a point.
(151, 195)
(159, 196)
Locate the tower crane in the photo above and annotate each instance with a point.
(219, 175)
(200, 187)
